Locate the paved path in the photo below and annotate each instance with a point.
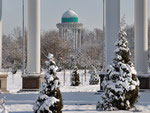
(73, 101)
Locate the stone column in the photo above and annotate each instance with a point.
(74, 39)
(33, 57)
(60, 32)
(79, 38)
(3, 75)
(141, 36)
(32, 80)
(1, 34)
(67, 34)
(63, 32)
(112, 26)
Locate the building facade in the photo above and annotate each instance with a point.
(70, 29)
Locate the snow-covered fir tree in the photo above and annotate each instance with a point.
(94, 79)
(121, 86)
(49, 99)
(75, 78)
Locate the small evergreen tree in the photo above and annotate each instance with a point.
(94, 79)
(75, 78)
(50, 99)
(121, 86)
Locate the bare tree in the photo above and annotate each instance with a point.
(52, 43)
(12, 49)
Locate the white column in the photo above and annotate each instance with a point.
(1, 34)
(141, 36)
(63, 32)
(80, 38)
(59, 32)
(67, 37)
(74, 39)
(112, 26)
(33, 57)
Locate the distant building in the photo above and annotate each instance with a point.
(70, 29)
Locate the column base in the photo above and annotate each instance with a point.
(144, 81)
(31, 82)
(3, 82)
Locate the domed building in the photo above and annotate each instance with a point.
(69, 16)
(71, 29)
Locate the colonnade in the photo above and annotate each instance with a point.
(112, 24)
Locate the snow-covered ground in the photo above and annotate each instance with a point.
(14, 83)
(80, 99)
(74, 102)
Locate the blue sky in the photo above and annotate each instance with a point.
(90, 13)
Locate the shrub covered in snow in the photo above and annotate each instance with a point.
(75, 78)
(94, 79)
(121, 86)
(3, 108)
(50, 99)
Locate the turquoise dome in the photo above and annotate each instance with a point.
(69, 16)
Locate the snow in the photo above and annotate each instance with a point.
(49, 95)
(81, 88)
(3, 108)
(144, 75)
(14, 82)
(49, 101)
(74, 102)
(120, 80)
(79, 99)
(50, 56)
(17, 108)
